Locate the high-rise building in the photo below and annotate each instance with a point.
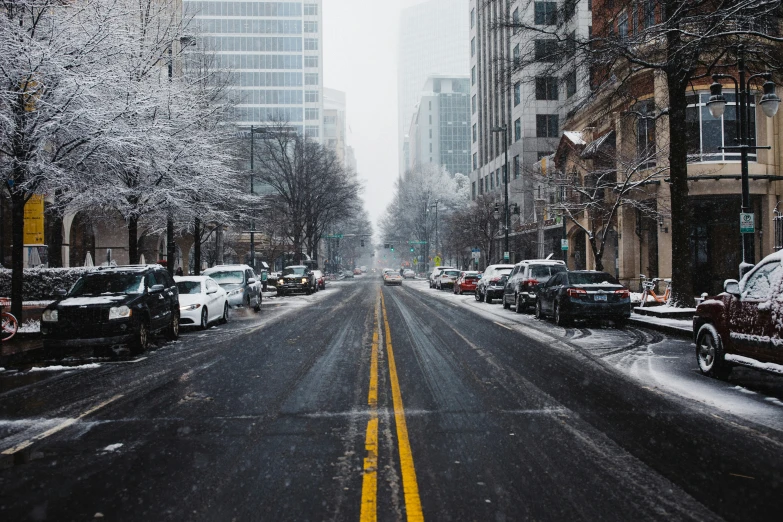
(273, 51)
(439, 131)
(335, 122)
(433, 39)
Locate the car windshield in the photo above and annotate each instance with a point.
(294, 270)
(452, 273)
(501, 271)
(592, 278)
(189, 287)
(236, 277)
(542, 273)
(471, 276)
(98, 284)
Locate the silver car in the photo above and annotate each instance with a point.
(240, 282)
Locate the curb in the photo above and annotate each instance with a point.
(665, 328)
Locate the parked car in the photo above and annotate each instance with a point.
(408, 274)
(320, 280)
(240, 282)
(113, 306)
(742, 325)
(447, 278)
(432, 278)
(491, 277)
(296, 278)
(392, 277)
(522, 285)
(466, 282)
(347, 274)
(357, 271)
(583, 294)
(386, 271)
(201, 301)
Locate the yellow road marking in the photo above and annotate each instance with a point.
(409, 485)
(369, 510)
(59, 427)
(502, 325)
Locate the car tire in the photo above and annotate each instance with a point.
(539, 312)
(560, 318)
(257, 307)
(204, 319)
(172, 330)
(142, 340)
(506, 306)
(487, 299)
(710, 354)
(224, 317)
(478, 296)
(519, 307)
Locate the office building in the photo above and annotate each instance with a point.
(335, 123)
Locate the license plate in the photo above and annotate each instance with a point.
(599, 297)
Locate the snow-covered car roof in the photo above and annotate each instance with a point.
(191, 278)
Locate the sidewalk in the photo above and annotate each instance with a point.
(677, 327)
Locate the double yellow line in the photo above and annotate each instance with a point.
(369, 511)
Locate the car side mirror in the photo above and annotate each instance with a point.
(251, 281)
(211, 292)
(157, 288)
(731, 286)
(60, 293)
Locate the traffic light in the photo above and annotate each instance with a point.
(412, 249)
(386, 245)
(362, 242)
(392, 248)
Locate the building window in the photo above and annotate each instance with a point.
(430, 133)
(311, 9)
(311, 27)
(430, 116)
(491, 181)
(311, 96)
(545, 50)
(648, 17)
(474, 133)
(570, 83)
(547, 126)
(311, 131)
(622, 26)
(517, 57)
(569, 9)
(311, 44)
(707, 134)
(545, 13)
(473, 75)
(311, 61)
(475, 160)
(546, 88)
(473, 190)
(473, 104)
(311, 78)
(516, 167)
(517, 93)
(517, 129)
(430, 148)
(473, 46)
(472, 18)
(515, 20)
(645, 134)
(311, 114)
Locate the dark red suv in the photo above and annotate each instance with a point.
(744, 324)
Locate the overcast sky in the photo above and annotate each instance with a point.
(360, 58)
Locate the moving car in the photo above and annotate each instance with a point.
(240, 282)
(447, 278)
(392, 277)
(583, 294)
(320, 280)
(408, 274)
(522, 286)
(742, 325)
(490, 278)
(113, 306)
(296, 278)
(466, 282)
(433, 277)
(201, 301)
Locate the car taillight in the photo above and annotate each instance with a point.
(530, 282)
(623, 294)
(576, 292)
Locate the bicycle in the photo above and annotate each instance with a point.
(8, 323)
(648, 290)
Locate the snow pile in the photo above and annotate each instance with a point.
(30, 326)
(59, 368)
(753, 363)
(112, 447)
(41, 283)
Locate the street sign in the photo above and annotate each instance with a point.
(476, 254)
(563, 244)
(747, 223)
(506, 256)
(415, 261)
(437, 260)
(417, 242)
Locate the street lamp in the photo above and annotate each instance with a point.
(504, 129)
(437, 242)
(769, 105)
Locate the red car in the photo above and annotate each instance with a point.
(742, 325)
(466, 282)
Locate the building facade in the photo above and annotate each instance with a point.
(273, 52)
(433, 39)
(439, 131)
(335, 123)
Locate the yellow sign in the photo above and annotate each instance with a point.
(34, 221)
(437, 260)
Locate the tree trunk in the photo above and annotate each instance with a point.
(55, 254)
(219, 245)
(17, 252)
(170, 246)
(133, 240)
(197, 247)
(682, 280)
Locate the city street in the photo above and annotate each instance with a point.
(363, 401)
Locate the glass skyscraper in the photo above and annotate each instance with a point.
(272, 51)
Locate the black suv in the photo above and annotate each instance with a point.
(113, 306)
(296, 278)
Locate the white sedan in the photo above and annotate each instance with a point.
(201, 301)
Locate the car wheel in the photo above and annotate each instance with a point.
(487, 299)
(257, 307)
(518, 306)
(142, 340)
(478, 296)
(620, 322)
(224, 317)
(710, 354)
(539, 311)
(506, 306)
(204, 319)
(560, 318)
(172, 330)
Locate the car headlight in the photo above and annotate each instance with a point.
(304, 280)
(189, 307)
(120, 312)
(50, 316)
(236, 291)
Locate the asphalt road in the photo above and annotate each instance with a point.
(363, 402)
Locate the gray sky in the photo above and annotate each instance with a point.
(360, 58)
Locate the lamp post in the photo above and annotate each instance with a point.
(769, 104)
(504, 129)
(437, 242)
